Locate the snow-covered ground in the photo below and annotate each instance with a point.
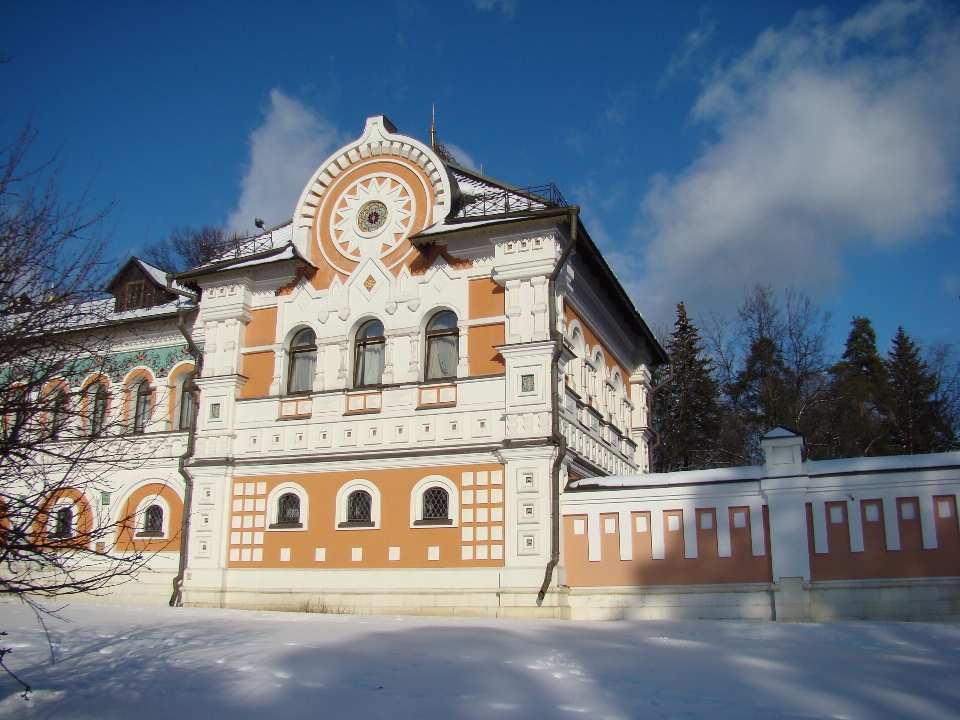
(141, 663)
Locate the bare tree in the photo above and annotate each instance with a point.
(58, 442)
(188, 247)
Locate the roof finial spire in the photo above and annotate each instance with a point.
(436, 146)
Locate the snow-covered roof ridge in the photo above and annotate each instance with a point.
(275, 245)
(683, 477)
(888, 463)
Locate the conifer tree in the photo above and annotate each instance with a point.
(685, 409)
(917, 420)
(859, 390)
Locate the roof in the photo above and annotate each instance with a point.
(781, 432)
(275, 245)
(154, 274)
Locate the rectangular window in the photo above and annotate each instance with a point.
(908, 511)
(836, 514)
(872, 512)
(740, 519)
(943, 508)
(673, 523)
(134, 295)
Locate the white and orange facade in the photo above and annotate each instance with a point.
(385, 383)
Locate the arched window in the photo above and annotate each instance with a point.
(97, 407)
(370, 345)
(186, 403)
(153, 521)
(63, 523)
(436, 506)
(303, 362)
(141, 406)
(288, 510)
(359, 505)
(58, 413)
(442, 346)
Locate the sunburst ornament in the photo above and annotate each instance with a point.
(372, 217)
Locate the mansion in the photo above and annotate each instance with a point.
(429, 393)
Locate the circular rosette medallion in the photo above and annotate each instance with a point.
(372, 217)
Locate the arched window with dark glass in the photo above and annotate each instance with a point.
(142, 400)
(442, 351)
(187, 403)
(58, 413)
(63, 523)
(153, 522)
(288, 510)
(97, 407)
(370, 347)
(359, 507)
(436, 507)
(303, 362)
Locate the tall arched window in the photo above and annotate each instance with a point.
(359, 506)
(58, 413)
(97, 408)
(142, 400)
(303, 362)
(288, 510)
(63, 523)
(186, 403)
(436, 507)
(442, 353)
(370, 346)
(153, 521)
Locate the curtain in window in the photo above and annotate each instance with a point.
(442, 346)
(442, 356)
(303, 362)
(370, 354)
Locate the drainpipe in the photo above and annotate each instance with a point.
(176, 599)
(558, 438)
(656, 443)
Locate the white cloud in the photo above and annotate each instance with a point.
(507, 7)
(827, 135)
(461, 156)
(284, 152)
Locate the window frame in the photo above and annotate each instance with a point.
(96, 392)
(273, 500)
(59, 412)
(182, 401)
(343, 495)
(429, 335)
(140, 516)
(360, 344)
(140, 389)
(293, 352)
(60, 506)
(285, 525)
(416, 502)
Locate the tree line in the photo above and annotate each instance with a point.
(769, 366)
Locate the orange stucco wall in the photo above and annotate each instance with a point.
(592, 340)
(876, 561)
(487, 299)
(395, 487)
(674, 569)
(258, 369)
(481, 352)
(130, 524)
(262, 328)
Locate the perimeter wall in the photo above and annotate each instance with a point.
(865, 538)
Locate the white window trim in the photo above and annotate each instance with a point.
(274, 497)
(344, 492)
(416, 500)
(140, 517)
(286, 346)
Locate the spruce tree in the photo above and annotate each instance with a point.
(917, 420)
(686, 409)
(859, 390)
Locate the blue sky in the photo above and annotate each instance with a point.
(711, 145)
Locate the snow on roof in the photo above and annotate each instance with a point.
(159, 276)
(889, 463)
(781, 432)
(275, 245)
(685, 477)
